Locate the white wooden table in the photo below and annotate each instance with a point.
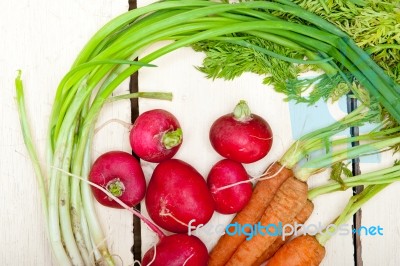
(43, 37)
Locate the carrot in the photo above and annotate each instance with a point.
(309, 250)
(304, 250)
(289, 200)
(300, 218)
(263, 193)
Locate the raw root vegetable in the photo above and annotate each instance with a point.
(302, 251)
(263, 193)
(309, 250)
(230, 200)
(241, 136)
(178, 198)
(177, 250)
(304, 147)
(156, 136)
(119, 173)
(288, 201)
(249, 251)
(379, 177)
(301, 218)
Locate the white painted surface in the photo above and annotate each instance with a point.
(43, 38)
(383, 211)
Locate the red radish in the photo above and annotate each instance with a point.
(177, 197)
(120, 174)
(156, 136)
(229, 199)
(177, 250)
(241, 135)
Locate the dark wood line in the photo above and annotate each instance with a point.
(134, 87)
(356, 170)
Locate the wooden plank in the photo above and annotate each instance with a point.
(383, 211)
(43, 38)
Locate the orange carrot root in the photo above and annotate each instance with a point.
(288, 201)
(304, 250)
(263, 193)
(300, 218)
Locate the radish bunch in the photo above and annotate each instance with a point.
(241, 137)
(178, 198)
(119, 182)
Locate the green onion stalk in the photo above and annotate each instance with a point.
(108, 59)
(67, 215)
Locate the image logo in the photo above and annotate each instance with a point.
(306, 118)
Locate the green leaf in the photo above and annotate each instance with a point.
(340, 170)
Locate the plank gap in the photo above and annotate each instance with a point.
(133, 88)
(356, 170)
